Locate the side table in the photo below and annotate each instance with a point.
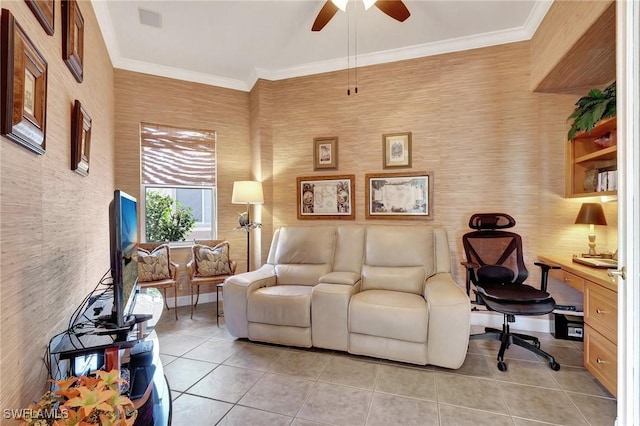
(219, 291)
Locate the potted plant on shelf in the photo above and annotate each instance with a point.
(94, 399)
(590, 109)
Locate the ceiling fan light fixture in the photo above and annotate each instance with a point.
(341, 4)
(368, 3)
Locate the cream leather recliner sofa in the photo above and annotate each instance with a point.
(375, 290)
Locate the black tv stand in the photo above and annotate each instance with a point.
(100, 344)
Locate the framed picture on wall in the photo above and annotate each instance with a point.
(397, 150)
(399, 195)
(80, 139)
(44, 10)
(326, 197)
(23, 89)
(73, 38)
(325, 153)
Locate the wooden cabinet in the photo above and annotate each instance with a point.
(586, 158)
(600, 295)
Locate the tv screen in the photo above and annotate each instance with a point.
(124, 265)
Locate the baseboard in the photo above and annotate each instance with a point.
(541, 323)
(186, 300)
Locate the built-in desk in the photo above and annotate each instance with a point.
(600, 315)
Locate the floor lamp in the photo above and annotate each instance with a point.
(247, 192)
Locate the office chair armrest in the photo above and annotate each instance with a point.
(469, 266)
(544, 277)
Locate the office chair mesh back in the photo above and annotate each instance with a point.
(499, 255)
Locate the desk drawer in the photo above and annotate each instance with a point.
(568, 278)
(601, 310)
(601, 358)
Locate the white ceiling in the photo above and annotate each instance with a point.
(233, 43)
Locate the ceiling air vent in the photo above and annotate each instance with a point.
(150, 18)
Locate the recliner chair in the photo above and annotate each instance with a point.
(495, 265)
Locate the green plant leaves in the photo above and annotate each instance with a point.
(166, 218)
(590, 109)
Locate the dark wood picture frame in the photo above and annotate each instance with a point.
(338, 194)
(73, 38)
(325, 153)
(23, 87)
(80, 139)
(44, 10)
(403, 189)
(396, 148)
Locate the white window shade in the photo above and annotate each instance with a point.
(177, 157)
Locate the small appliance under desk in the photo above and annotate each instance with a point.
(600, 293)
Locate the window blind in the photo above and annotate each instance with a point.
(177, 157)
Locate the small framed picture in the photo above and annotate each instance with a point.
(80, 139)
(73, 38)
(325, 153)
(23, 89)
(44, 12)
(326, 197)
(399, 195)
(397, 150)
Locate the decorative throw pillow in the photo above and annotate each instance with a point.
(212, 261)
(153, 266)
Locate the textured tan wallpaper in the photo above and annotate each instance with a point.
(54, 223)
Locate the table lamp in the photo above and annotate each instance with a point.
(591, 214)
(247, 192)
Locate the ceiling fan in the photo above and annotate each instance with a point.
(394, 8)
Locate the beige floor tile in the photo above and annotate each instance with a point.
(196, 411)
(226, 383)
(301, 364)
(178, 344)
(474, 365)
(535, 403)
(458, 416)
(350, 372)
(409, 382)
(215, 350)
(599, 411)
(390, 410)
(517, 421)
(256, 357)
(184, 373)
(578, 379)
(245, 416)
(167, 359)
(303, 422)
(278, 394)
(527, 373)
(492, 347)
(336, 405)
(470, 392)
(567, 356)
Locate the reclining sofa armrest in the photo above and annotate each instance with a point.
(236, 291)
(449, 320)
(346, 278)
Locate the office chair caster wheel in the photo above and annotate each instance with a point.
(554, 366)
(502, 366)
(537, 344)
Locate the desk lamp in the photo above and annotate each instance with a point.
(247, 192)
(591, 214)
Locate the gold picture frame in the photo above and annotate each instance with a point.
(326, 197)
(73, 38)
(397, 150)
(44, 10)
(399, 195)
(325, 153)
(23, 84)
(80, 139)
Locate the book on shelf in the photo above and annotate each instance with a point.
(607, 181)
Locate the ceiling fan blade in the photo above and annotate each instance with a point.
(324, 16)
(394, 8)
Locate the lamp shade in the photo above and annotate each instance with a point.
(591, 214)
(247, 192)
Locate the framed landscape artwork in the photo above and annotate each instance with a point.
(326, 197)
(80, 139)
(397, 150)
(23, 89)
(399, 195)
(325, 153)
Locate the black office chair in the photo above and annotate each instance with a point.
(496, 267)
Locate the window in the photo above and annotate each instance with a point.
(179, 163)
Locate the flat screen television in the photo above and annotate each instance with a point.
(124, 266)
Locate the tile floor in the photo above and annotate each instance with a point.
(217, 380)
